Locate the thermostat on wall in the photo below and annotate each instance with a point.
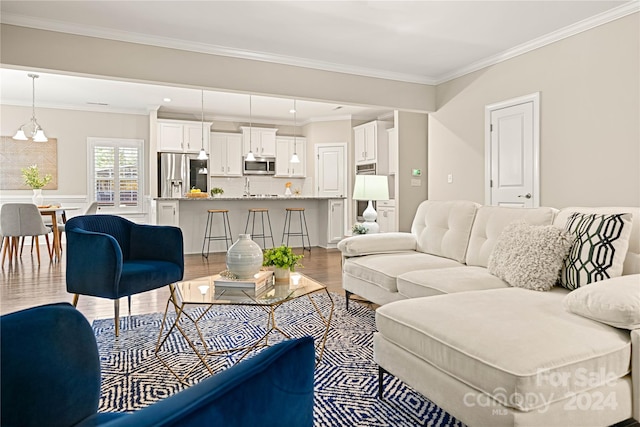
(416, 172)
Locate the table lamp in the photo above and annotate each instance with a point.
(371, 187)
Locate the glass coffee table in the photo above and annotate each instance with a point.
(204, 292)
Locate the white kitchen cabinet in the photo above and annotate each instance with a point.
(263, 141)
(386, 216)
(393, 150)
(331, 230)
(167, 213)
(366, 137)
(226, 154)
(285, 147)
(335, 226)
(182, 136)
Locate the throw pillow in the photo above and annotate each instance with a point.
(529, 256)
(615, 302)
(599, 248)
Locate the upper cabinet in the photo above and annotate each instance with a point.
(226, 154)
(182, 136)
(285, 147)
(370, 142)
(263, 141)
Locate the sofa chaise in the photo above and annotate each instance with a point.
(492, 354)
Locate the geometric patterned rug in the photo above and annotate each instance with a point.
(345, 379)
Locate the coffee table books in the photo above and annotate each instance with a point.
(254, 286)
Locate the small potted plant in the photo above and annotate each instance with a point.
(283, 260)
(359, 229)
(217, 191)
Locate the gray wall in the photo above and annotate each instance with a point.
(71, 128)
(590, 126)
(413, 141)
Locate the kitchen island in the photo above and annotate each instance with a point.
(325, 218)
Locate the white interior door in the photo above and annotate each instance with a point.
(512, 153)
(331, 170)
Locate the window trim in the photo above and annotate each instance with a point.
(92, 143)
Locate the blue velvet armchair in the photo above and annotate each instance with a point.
(50, 376)
(111, 257)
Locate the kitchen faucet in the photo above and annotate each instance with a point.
(247, 186)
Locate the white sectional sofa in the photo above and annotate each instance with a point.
(489, 353)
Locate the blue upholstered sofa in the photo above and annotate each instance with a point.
(50, 376)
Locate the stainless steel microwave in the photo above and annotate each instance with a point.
(259, 166)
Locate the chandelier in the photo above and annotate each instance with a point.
(36, 131)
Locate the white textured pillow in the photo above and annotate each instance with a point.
(528, 256)
(615, 302)
(599, 248)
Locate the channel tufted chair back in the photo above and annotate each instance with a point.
(112, 257)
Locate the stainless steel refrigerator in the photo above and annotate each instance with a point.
(178, 173)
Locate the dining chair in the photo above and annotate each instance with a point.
(21, 220)
(111, 257)
(92, 209)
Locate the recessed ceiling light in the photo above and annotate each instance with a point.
(337, 108)
(292, 111)
(167, 99)
(97, 103)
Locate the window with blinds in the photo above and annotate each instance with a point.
(116, 173)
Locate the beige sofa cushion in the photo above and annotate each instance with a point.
(379, 243)
(615, 302)
(518, 346)
(632, 260)
(382, 270)
(489, 223)
(442, 227)
(425, 283)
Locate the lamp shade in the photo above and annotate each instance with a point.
(371, 187)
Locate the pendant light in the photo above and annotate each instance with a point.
(202, 155)
(294, 156)
(250, 157)
(36, 133)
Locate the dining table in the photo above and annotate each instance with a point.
(56, 212)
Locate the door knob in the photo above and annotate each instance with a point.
(526, 196)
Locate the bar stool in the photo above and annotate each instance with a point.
(226, 226)
(304, 231)
(252, 216)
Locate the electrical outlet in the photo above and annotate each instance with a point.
(416, 182)
(450, 178)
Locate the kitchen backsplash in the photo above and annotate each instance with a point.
(262, 185)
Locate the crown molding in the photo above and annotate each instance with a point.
(563, 33)
(132, 37)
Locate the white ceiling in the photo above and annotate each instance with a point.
(418, 41)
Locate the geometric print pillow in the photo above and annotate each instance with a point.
(599, 248)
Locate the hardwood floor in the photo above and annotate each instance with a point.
(27, 284)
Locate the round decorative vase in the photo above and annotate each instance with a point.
(282, 274)
(38, 198)
(244, 257)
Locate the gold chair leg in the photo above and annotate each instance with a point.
(116, 307)
(75, 300)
